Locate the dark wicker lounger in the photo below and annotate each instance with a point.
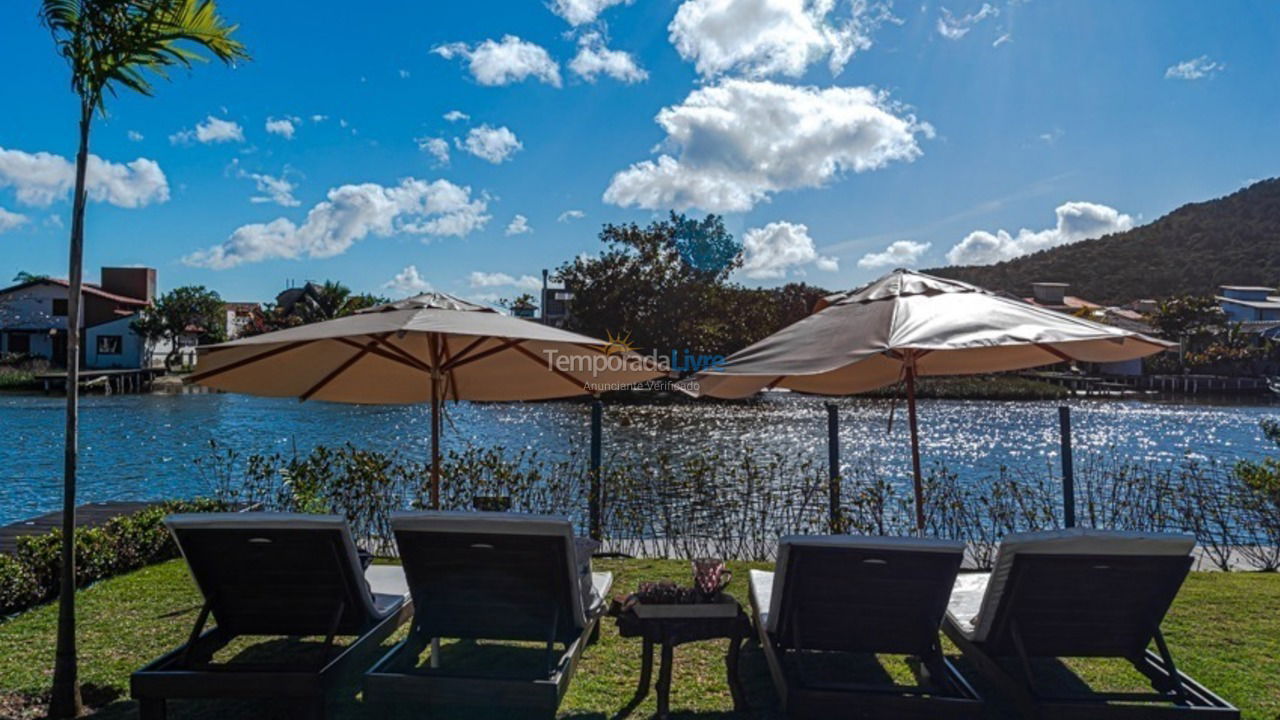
(274, 574)
(836, 598)
(490, 576)
(1085, 594)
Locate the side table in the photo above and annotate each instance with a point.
(675, 629)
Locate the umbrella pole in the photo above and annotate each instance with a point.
(915, 443)
(435, 441)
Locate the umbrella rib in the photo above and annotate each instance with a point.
(384, 354)
(560, 373)
(506, 344)
(402, 353)
(1055, 352)
(198, 377)
(338, 370)
(463, 353)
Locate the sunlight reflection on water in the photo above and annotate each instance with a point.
(141, 446)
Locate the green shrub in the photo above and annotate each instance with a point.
(31, 575)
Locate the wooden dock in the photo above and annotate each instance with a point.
(109, 381)
(87, 516)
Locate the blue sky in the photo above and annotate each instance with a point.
(945, 125)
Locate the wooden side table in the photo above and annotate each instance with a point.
(676, 630)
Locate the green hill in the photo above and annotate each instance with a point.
(1194, 249)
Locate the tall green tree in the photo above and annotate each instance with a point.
(662, 285)
(111, 46)
(184, 311)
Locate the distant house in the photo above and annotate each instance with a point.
(1053, 296)
(522, 308)
(33, 319)
(556, 301)
(239, 316)
(1248, 303)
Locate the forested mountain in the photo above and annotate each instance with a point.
(1233, 240)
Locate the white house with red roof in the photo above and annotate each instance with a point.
(33, 319)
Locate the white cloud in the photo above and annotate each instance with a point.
(1194, 69)
(954, 28)
(278, 190)
(282, 127)
(568, 215)
(502, 63)
(1052, 136)
(404, 74)
(456, 115)
(581, 12)
(903, 253)
(408, 282)
(498, 279)
(1076, 221)
(768, 252)
(1005, 38)
(212, 130)
(767, 37)
(594, 59)
(438, 147)
(519, 225)
(489, 143)
(10, 220)
(348, 215)
(732, 145)
(40, 178)
(319, 118)
(827, 264)
(135, 136)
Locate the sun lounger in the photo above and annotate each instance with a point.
(1079, 594)
(832, 597)
(274, 574)
(490, 576)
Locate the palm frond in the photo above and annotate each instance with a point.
(121, 44)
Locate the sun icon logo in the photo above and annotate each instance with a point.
(619, 345)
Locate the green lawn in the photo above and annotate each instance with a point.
(1224, 629)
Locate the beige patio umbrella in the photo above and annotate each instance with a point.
(428, 348)
(907, 325)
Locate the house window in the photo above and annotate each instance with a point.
(109, 344)
(19, 343)
(60, 307)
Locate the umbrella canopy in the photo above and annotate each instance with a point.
(908, 324)
(428, 348)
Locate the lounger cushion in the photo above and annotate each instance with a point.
(761, 593)
(502, 523)
(389, 588)
(860, 542)
(1072, 541)
(375, 607)
(966, 599)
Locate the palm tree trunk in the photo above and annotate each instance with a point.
(65, 700)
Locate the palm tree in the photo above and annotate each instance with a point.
(111, 45)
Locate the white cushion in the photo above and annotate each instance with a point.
(601, 583)
(1071, 541)
(388, 586)
(966, 599)
(514, 524)
(761, 592)
(858, 542)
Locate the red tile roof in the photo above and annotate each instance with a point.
(88, 289)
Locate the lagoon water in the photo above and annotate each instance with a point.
(142, 446)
